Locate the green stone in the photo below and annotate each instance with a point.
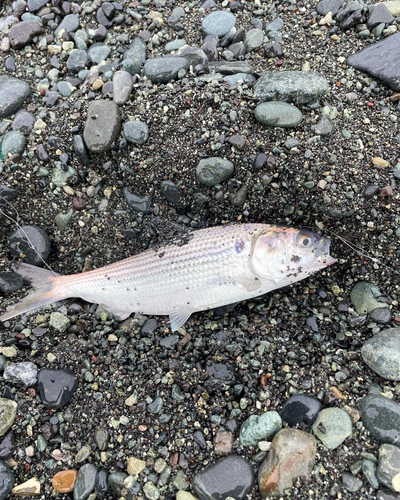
(332, 427)
(260, 428)
(278, 114)
(8, 412)
(364, 297)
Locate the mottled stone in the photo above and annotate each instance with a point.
(388, 471)
(259, 428)
(381, 417)
(382, 353)
(223, 443)
(85, 482)
(278, 114)
(164, 69)
(21, 373)
(297, 86)
(213, 170)
(332, 427)
(254, 39)
(13, 93)
(116, 481)
(12, 143)
(292, 455)
(230, 67)
(102, 125)
(8, 412)
(364, 297)
(136, 132)
(7, 479)
(136, 53)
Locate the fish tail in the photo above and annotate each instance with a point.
(47, 290)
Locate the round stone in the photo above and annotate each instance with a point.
(218, 23)
(136, 132)
(332, 427)
(364, 297)
(10, 282)
(13, 143)
(98, 52)
(381, 417)
(300, 409)
(382, 353)
(253, 39)
(278, 114)
(213, 170)
(64, 481)
(31, 243)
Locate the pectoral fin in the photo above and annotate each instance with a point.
(178, 318)
(251, 284)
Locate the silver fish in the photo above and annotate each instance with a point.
(214, 267)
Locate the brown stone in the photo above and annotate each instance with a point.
(64, 481)
(292, 455)
(223, 443)
(386, 191)
(23, 33)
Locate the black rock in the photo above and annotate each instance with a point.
(56, 387)
(102, 481)
(108, 9)
(346, 18)
(260, 161)
(230, 477)
(199, 438)
(81, 151)
(7, 446)
(171, 193)
(103, 19)
(300, 409)
(10, 282)
(370, 191)
(381, 60)
(32, 242)
(7, 193)
(273, 49)
(136, 201)
(100, 33)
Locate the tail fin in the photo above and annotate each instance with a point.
(46, 290)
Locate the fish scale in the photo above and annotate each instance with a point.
(206, 269)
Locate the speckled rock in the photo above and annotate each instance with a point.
(164, 69)
(292, 455)
(32, 242)
(116, 482)
(332, 427)
(229, 477)
(8, 412)
(13, 143)
(136, 53)
(21, 373)
(381, 417)
(278, 114)
(85, 482)
(98, 52)
(214, 170)
(23, 33)
(13, 93)
(388, 471)
(364, 297)
(7, 480)
(218, 23)
(297, 86)
(102, 125)
(259, 428)
(136, 132)
(254, 38)
(382, 353)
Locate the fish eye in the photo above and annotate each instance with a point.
(304, 240)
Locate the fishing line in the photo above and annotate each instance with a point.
(15, 221)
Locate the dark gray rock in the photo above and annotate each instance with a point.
(273, 49)
(380, 14)
(351, 483)
(81, 151)
(7, 480)
(140, 203)
(326, 6)
(56, 387)
(381, 60)
(300, 409)
(194, 56)
(32, 242)
(23, 121)
(324, 126)
(85, 482)
(136, 132)
(7, 447)
(23, 33)
(7, 193)
(229, 477)
(388, 471)
(164, 69)
(382, 353)
(102, 126)
(116, 482)
(77, 60)
(136, 52)
(218, 23)
(10, 282)
(381, 417)
(171, 193)
(70, 23)
(348, 18)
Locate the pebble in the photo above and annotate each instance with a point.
(136, 54)
(326, 6)
(229, 477)
(59, 322)
(300, 409)
(56, 387)
(7, 446)
(332, 426)
(8, 412)
(301, 87)
(212, 171)
(116, 482)
(364, 297)
(64, 481)
(77, 60)
(382, 353)
(380, 14)
(122, 87)
(218, 23)
(102, 126)
(23, 121)
(164, 69)
(253, 39)
(388, 471)
(80, 150)
(381, 417)
(7, 480)
(324, 126)
(140, 203)
(23, 33)
(135, 466)
(278, 114)
(98, 52)
(258, 428)
(85, 482)
(292, 455)
(31, 243)
(27, 489)
(171, 193)
(351, 483)
(21, 373)
(10, 282)
(13, 143)
(151, 491)
(223, 443)
(136, 132)
(101, 437)
(70, 23)
(8, 193)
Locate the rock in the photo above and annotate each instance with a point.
(151, 491)
(56, 387)
(8, 412)
(122, 87)
(7, 194)
(140, 203)
(10, 282)
(213, 170)
(85, 482)
(98, 52)
(324, 126)
(381, 60)
(21, 373)
(230, 67)
(253, 39)
(164, 69)
(260, 428)
(136, 132)
(27, 489)
(300, 409)
(171, 193)
(348, 18)
(381, 417)
(275, 25)
(382, 353)
(194, 56)
(102, 482)
(223, 443)
(23, 33)
(13, 93)
(32, 243)
(273, 49)
(350, 482)
(7, 480)
(64, 481)
(332, 427)
(80, 150)
(218, 23)
(7, 446)
(278, 114)
(23, 121)
(102, 126)
(135, 466)
(35, 5)
(292, 455)
(301, 87)
(380, 14)
(59, 322)
(136, 53)
(13, 143)
(116, 481)
(70, 23)
(381, 315)
(388, 471)
(364, 297)
(184, 495)
(393, 7)
(77, 60)
(326, 6)
(101, 437)
(229, 477)
(156, 406)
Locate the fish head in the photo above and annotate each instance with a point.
(286, 255)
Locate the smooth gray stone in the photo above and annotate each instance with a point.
(23, 33)
(98, 52)
(85, 482)
(230, 67)
(381, 417)
(275, 25)
(278, 114)
(136, 132)
(164, 69)
(103, 124)
(7, 480)
(214, 170)
(382, 353)
(35, 5)
(122, 87)
(70, 23)
(326, 6)
(193, 55)
(218, 23)
(13, 143)
(77, 60)
(380, 14)
(26, 237)
(253, 39)
(136, 52)
(381, 60)
(23, 121)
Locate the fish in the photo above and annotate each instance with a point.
(205, 269)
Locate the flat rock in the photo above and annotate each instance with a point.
(77, 60)
(278, 114)
(23, 33)
(382, 353)
(381, 60)
(23, 121)
(326, 6)
(292, 455)
(140, 203)
(98, 52)
(136, 53)
(8, 412)
(7, 446)
(213, 170)
(122, 87)
(102, 126)
(218, 23)
(230, 67)
(380, 14)
(56, 387)
(21, 373)
(28, 488)
(254, 38)
(13, 93)
(35, 5)
(393, 7)
(364, 296)
(229, 477)
(164, 69)
(85, 482)
(300, 409)
(381, 417)
(70, 23)
(297, 86)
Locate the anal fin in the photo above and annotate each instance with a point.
(178, 318)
